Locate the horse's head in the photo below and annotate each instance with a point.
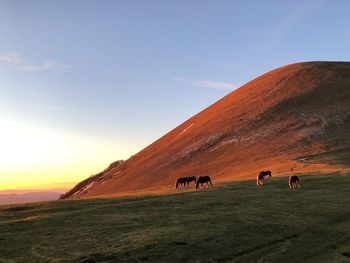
(178, 181)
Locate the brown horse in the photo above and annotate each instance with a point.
(182, 181)
(202, 180)
(294, 181)
(260, 177)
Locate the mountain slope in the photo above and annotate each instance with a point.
(269, 123)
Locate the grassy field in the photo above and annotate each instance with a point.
(233, 222)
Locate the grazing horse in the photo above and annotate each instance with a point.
(294, 181)
(202, 180)
(192, 179)
(260, 177)
(267, 173)
(182, 181)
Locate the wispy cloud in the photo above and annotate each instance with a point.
(296, 14)
(206, 83)
(291, 17)
(49, 65)
(11, 58)
(233, 66)
(14, 60)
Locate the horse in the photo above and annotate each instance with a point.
(267, 173)
(182, 181)
(260, 177)
(202, 180)
(294, 181)
(192, 179)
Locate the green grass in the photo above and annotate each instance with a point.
(233, 222)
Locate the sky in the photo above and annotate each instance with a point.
(85, 83)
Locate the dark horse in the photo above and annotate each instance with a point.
(294, 181)
(185, 181)
(260, 177)
(192, 179)
(182, 181)
(202, 180)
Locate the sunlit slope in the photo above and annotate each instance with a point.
(269, 123)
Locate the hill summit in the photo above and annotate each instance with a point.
(296, 116)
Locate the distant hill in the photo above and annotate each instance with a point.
(290, 117)
(20, 196)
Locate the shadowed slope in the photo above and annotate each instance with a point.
(293, 111)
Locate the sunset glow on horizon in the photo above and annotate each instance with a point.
(33, 157)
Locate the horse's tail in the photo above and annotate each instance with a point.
(210, 181)
(177, 183)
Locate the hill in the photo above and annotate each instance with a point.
(271, 123)
(26, 196)
(233, 222)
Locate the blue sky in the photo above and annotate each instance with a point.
(119, 74)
